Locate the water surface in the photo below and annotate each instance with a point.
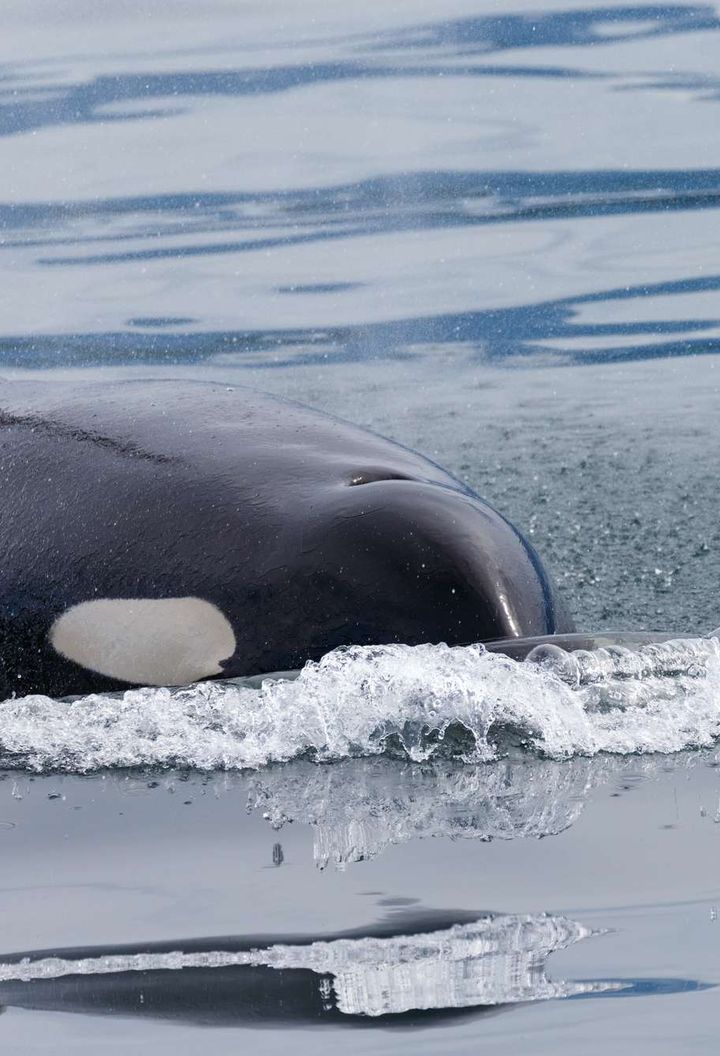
(489, 232)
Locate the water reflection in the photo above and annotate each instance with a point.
(548, 329)
(90, 102)
(461, 962)
(359, 807)
(128, 233)
(410, 201)
(307, 205)
(701, 87)
(417, 51)
(407, 971)
(578, 27)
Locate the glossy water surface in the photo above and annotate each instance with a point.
(490, 232)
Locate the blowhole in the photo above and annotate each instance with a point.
(374, 476)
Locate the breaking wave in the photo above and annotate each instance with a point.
(415, 702)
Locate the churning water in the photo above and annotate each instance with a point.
(417, 702)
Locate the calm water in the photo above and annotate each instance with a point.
(490, 233)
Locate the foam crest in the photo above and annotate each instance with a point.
(416, 702)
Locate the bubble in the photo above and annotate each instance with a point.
(557, 661)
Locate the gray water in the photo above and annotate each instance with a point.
(490, 233)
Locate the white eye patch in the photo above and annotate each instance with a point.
(152, 641)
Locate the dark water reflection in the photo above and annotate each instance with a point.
(408, 972)
(413, 967)
(195, 899)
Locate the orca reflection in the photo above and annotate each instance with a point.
(451, 964)
(357, 808)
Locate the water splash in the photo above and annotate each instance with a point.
(415, 702)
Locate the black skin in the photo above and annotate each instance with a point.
(305, 531)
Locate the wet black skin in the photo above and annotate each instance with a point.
(305, 531)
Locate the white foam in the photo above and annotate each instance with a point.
(419, 701)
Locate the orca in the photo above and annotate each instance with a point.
(165, 532)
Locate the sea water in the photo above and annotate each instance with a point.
(489, 233)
